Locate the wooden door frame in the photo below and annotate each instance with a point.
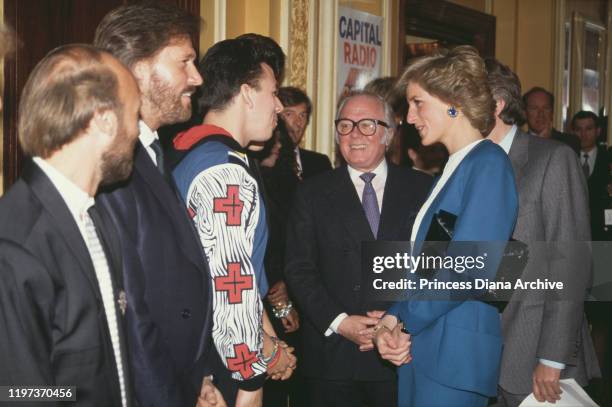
(445, 21)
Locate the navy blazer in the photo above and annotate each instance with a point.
(167, 284)
(458, 344)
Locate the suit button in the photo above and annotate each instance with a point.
(357, 287)
(186, 313)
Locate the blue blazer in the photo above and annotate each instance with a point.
(458, 343)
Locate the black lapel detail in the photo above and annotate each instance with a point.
(169, 202)
(396, 205)
(344, 201)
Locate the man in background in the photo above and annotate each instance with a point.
(297, 109)
(539, 104)
(595, 163)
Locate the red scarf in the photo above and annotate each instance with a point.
(185, 140)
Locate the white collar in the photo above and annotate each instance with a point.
(506, 142)
(77, 200)
(380, 171)
(147, 136)
(590, 153)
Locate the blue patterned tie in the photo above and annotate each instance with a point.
(370, 203)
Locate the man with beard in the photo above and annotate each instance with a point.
(165, 271)
(224, 200)
(60, 288)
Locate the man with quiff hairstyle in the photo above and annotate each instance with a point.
(222, 195)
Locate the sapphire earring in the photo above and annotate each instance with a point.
(452, 112)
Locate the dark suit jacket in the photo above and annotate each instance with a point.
(168, 287)
(54, 329)
(313, 163)
(598, 193)
(552, 207)
(323, 263)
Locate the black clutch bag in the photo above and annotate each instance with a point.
(512, 264)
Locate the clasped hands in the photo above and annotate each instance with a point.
(380, 330)
(286, 364)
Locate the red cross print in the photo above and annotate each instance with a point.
(231, 205)
(234, 283)
(243, 361)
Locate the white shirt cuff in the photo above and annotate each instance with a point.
(552, 363)
(333, 327)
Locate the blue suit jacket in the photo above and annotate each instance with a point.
(458, 343)
(167, 282)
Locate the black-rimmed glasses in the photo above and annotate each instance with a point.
(367, 127)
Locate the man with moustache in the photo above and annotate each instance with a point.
(61, 291)
(367, 199)
(545, 339)
(214, 178)
(166, 274)
(297, 109)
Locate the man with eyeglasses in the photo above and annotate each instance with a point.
(367, 199)
(539, 105)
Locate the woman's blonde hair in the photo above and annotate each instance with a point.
(457, 77)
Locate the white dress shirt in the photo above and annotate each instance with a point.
(78, 202)
(506, 142)
(378, 183)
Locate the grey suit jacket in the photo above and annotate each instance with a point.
(553, 206)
